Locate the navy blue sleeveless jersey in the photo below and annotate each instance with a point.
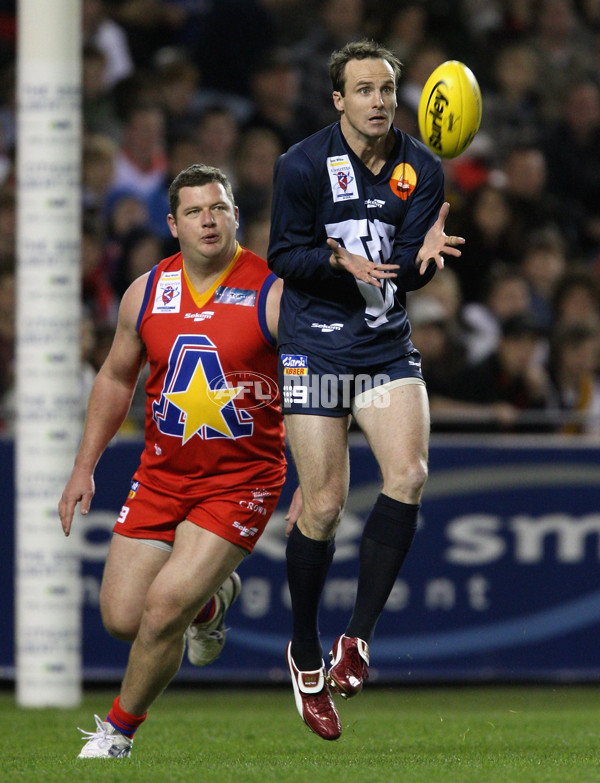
(321, 190)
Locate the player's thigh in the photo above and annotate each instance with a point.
(397, 430)
(319, 446)
(130, 569)
(199, 564)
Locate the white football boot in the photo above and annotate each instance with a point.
(105, 743)
(206, 640)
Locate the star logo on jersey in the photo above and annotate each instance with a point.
(201, 405)
(196, 398)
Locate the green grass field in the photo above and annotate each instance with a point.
(483, 734)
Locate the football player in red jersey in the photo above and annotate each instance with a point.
(213, 465)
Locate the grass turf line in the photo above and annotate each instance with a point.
(416, 735)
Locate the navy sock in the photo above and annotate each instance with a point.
(385, 542)
(308, 562)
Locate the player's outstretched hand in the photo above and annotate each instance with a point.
(359, 266)
(436, 243)
(80, 489)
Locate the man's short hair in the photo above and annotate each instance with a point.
(197, 175)
(360, 50)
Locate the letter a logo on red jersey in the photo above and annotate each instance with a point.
(196, 399)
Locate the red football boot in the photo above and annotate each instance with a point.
(313, 700)
(349, 662)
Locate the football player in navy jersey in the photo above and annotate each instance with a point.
(358, 217)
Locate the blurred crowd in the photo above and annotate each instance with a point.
(509, 333)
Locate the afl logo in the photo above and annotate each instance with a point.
(403, 180)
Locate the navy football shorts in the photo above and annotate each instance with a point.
(311, 384)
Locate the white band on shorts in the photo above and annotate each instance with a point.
(379, 395)
(164, 545)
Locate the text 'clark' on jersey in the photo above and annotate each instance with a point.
(212, 404)
(322, 189)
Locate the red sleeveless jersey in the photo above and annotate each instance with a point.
(213, 416)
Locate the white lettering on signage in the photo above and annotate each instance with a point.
(478, 539)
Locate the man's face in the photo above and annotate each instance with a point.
(369, 101)
(205, 224)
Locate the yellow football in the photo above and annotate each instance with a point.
(450, 109)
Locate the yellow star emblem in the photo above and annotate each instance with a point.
(201, 405)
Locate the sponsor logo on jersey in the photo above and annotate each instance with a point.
(200, 316)
(342, 178)
(403, 180)
(255, 506)
(245, 532)
(259, 494)
(240, 296)
(327, 327)
(294, 364)
(168, 293)
(372, 203)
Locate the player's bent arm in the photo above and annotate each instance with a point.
(272, 307)
(108, 405)
(295, 253)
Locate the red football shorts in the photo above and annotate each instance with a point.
(239, 514)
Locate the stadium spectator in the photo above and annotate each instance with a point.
(151, 25)
(443, 357)
(574, 366)
(257, 150)
(98, 103)
(178, 93)
(98, 294)
(227, 39)
(577, 298)
(418, 69)
(543, 264)
(256, 234)
(107, 35)
(275, 93)
(98, 170)
(512, 102)
(405, 29)
(487, 218)
(506, 294)
(446, 289)
(572, 146)
(564, 48)
(141, 249)
(507, 390)
(141, 162)
(217, 133)
(128, 214)
(336, 22)
(534, 198)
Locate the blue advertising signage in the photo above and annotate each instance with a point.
(501, 582)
